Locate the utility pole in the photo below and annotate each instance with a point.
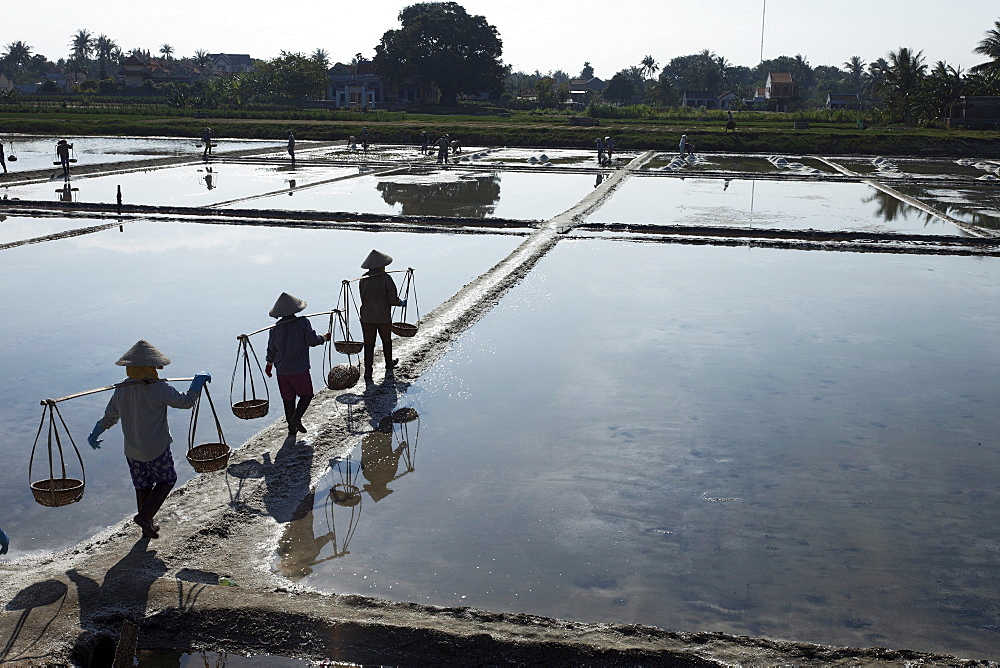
(763, 12)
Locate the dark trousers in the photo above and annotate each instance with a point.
(384, 331)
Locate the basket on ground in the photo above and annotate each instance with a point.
(209, 457)
(342, 376)
(57, 492)
(349, 347)
(250, 409)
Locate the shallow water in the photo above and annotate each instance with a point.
(73, 306)
(975, 204)
(446, 192)
(766, 203)
(19, 228)
(170, 658)
(196, 184)
(782, 443)
(35, 152)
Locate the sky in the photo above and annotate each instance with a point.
(545, 35)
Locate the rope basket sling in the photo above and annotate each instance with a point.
(346, 345)
(403, 328)
(56, 492)
(252, 407)
(339, 376)
(206, 457)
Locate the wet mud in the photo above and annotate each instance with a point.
(68, 606)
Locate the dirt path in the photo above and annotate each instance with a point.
(69, 605)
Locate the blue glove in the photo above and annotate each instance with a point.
(199, 381)
(93, 439)
(402, 302)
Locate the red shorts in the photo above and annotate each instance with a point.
(298, 385)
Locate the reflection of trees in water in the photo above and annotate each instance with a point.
(468, 197)
(892, 208)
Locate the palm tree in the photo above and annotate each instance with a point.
(82, 45)
(855, 67)
(17, 56)
(321, 56)
(649, 67)
(105, 48)
(899, 78)
(201, 57)
(166, 50)
(989, 47)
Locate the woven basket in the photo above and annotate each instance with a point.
(349, 347)
(209, 457)
(404, 329)
(250, 409)
(342, 377)
(404, 415)
(345, 495)
(56, 492)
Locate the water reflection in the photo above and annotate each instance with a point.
(392, 444)
(470, 196)
(67, 193)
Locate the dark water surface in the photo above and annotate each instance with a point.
(765, 442)
(73, 306)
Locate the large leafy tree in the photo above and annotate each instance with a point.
(989, 46)
(291, 77)
(441, 42)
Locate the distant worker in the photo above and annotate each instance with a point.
(730, 122)
(456, 146)
(364, 139)
(599, 143)
(291, 145)
(682, 146)
(424, 143)
(206, 139)
(609, 146)
(378, 296)
(3, 160)
(288, 346)
(352, 144)
(62, 150)
(141, 402)
(4, 541)
(443, 149)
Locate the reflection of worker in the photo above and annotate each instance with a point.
(378, 296)
(142, 407)
(299, 547)
(66, 193)
(379, 462)
(209, 178)
(291, 145)
(288, 346)
(206, 139)
(62, 150)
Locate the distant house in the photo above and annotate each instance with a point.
(65, 82)
(5, 83)
(231, 63)
(358, 86)
(583, 90)
(980, 112)
(708, 100)
(699, 98)
(779, 90)
(839, 101)
(139, 68)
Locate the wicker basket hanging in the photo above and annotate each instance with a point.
(207, 457)
(253, 406)
(340, 376)
(401, 327)
(56, 492)
(344, 343)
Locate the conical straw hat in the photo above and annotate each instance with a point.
(286, 305)
(143, 353)
(375, 260)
